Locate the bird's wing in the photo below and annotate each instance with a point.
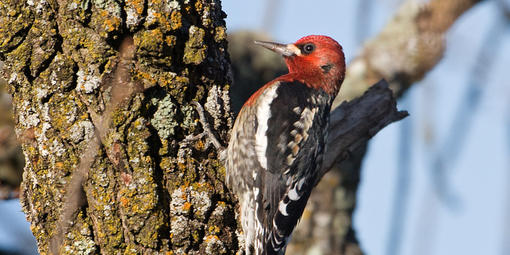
(289, 140)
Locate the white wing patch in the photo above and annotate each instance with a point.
(282, 207)
(263, 115)
(293, 195)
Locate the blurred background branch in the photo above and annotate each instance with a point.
(11, 157)
(409, 46)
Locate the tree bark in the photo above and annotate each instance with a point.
(102, 93)
(116, 159)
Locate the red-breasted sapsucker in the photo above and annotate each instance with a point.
(278, 139)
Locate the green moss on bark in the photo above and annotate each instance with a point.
(150, 188)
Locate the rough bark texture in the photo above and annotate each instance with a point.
(409, 46)
(112, 130)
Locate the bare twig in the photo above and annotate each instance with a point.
(207, 128)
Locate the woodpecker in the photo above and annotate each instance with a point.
(276, 145)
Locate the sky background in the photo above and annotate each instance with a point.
(466, 213)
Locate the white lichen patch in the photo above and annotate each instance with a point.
(72, 6)
(102, 179)
(82, 130)
(40, 6)
(188, 120)
(172, 5)
(107, 210)
(201, 202)
(85, 230)
(88, 81)
(45, 113)
(42, 139)
(183, 152)
(82, 247)
(13, 78)
(143, 181)
(225, 96)
(206, 21)
(182, 251)
(140, 124)
(134, 160)
(57, 148)
(151, 18)
(132, 17)
(41, 93)
(179, 198)
(53, 75)
(213, 106)
(218, 211)
(112, 7)
(28, 117)
(213, 245)
(179, 226)
(164, 118)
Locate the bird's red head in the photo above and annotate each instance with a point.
(317, 60)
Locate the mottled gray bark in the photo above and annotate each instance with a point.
(101, 93)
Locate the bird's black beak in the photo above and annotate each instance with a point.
(286, 50)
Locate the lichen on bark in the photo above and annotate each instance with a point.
(154, 184)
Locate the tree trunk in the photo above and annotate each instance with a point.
(115, 159)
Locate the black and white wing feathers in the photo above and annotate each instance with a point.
(294, 133)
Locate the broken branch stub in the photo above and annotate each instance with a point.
(354, 122)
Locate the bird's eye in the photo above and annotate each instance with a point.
(308, 48)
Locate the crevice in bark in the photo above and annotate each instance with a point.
(57, 48)
(23, 34)
(28, 74)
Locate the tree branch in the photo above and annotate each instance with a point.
(409, 46)
(354, 122)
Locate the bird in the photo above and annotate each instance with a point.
(277, 143)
